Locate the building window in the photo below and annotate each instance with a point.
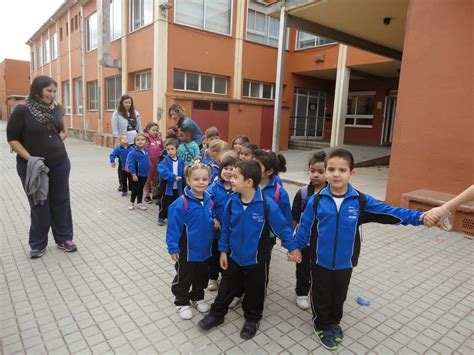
(114, 92)
(360, 109)
(188, 81)
(67, 28)
(32, 59)
(54, 46)
(141, 13)
(210, 15)
(115, 19)
(46, 52)
(92, 96)
(76, 21)
(91, 28)
(66, 98)
(78, 96)
(258, 90)
(308, 40)
(143, 81)
(60, 33)
(39, 54)
(262, 28)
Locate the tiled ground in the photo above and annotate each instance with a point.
(114, 294)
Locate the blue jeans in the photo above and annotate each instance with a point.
(55, 213)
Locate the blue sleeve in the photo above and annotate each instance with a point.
(131, 162)
(223, 243)
(165, 173)
(303, 231)
(379, 212)
(280, 226)
(175, 225)
(113, 155)
(285, 206)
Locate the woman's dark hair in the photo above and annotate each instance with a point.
(178, 109)
(317, 157)
(227, 161)
(250, 169)
(271, 160)
(122, 110)
(37, 86)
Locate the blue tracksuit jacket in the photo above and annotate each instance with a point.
(165, 169)
(138, 162)
(334, 236)
(190, 233)
(284, 200)
(246, 233)
(121, 153)
(220, 196)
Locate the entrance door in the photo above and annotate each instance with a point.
(207, 114)
(389, 117)
(309, 108)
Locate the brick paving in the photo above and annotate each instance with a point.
(113, 296)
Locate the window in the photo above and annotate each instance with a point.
(115, 19)
(91, 28)
(78, 96)
(60, 33)
(76, 21)
(141, 13)
(92, 96)
(262, 28)
(67, 28)
(308, 40)
(199, 82)
(54, 46)
(143, 81)
(32, 59)
(66, 98)
(39, 54)
(46, 52)
(259, 90)
(114, 92)
(360, 109)
(210, 15)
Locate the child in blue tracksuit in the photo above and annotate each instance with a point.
(171, 171)
(245, 234)
(121, 153)
(189, 237)
(330, 224)
(138, 166)
(220, 191)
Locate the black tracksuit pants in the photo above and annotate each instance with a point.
(190, 281)
(166, 201)
(253, 280)
(126, 181)
(214, 266)
(303, 274)
(137, 189)
(328, 294)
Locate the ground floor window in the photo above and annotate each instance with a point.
(309, 108)
(360, 109)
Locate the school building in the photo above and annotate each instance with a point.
(14, 85)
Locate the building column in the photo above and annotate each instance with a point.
(123, 43)
(239, 50)
(71, 101)
(59, 94)
(340, 98)
(82, 33)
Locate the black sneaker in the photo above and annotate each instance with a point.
(148, 199)
(68, 246)
(249, 329)
(161, 222)
(37, 253)
(119, 188)
(338, 333)
(326, 337)
(209, 322)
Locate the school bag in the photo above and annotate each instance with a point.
(186, 203)
(127, 166)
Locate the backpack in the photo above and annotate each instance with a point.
(265, 207)
(186, 203)
(362, 204)
(276, 195)
(127, 166)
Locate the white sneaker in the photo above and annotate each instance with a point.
(201, 306)
(235, 302)
(212, 285)
(302, 302)
(131, 206)
(141, 206)
(184, 312)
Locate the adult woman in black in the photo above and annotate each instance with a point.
(36, 129)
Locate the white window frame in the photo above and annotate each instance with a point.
(260, 90)
(134, 27)
(113, 17)
(142, 81)
(54, 46)
(316, 41)
(118, 92)
(67, 97)
(257, 8)
(356, 116)
(39, 54)
(203, 28)
(90, 47)
(78, 98)
(46, 51)
(199, 82)
(93, 101)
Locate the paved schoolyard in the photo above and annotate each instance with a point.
(113, 295)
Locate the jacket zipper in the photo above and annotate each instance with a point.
(336, 238)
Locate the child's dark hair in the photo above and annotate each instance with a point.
(244, 139)
(211, 132)
(250, 146)
(271, 160)
(227, 161)
(317, 157)
(250, 169)
(172, 132)
(343, 154)
(149, 126)
(188, 130)
(171, 141)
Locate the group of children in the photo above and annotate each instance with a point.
(225, 205)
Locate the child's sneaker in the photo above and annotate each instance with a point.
(131, 206)
(141, 206)
(235, 302)
(161, 222)
(212, 285)
(338, 333)
(209, 322)
(326, 338)
(68, 246)
(124, 193)
(302, 302)
(148, 200)
(37, 253)
(184, 312)
(201, 306)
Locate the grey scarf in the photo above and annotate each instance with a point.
(41, 112)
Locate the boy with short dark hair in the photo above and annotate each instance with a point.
(330, 223)
(245, 233)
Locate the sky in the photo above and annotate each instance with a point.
(19, 20)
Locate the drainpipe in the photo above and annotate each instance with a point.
(103, 50)
(82, 66)
(70, 66)
(123, 42)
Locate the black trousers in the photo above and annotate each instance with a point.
(166, 201)
(55, 213)
(253, 280)
(214, 266)
(126, 181)
(119, 173)
(328, 294)
(303, 274)
(137, 189)
(189, 282)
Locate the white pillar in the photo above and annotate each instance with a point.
(239, 48)
(279, 79)
(123, 42)
(340, 98)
